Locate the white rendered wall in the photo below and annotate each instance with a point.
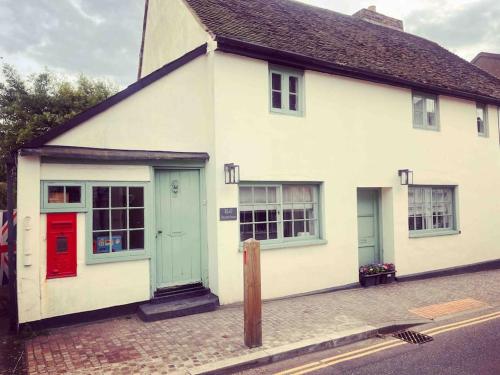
(96, 286)
(28, 241)
(171, 31)
(171, 114)
(354, 134)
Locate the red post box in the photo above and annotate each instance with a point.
(61, 245)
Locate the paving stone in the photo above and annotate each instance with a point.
(126, 345)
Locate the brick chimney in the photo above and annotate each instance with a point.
(372, 16)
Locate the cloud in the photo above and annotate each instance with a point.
(94, 37)
(466, 29)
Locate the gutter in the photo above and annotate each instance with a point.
(275, 56)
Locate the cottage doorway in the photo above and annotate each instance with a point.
(368, 226)
(178, 224)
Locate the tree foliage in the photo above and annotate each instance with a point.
(31, 106)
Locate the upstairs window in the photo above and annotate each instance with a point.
(425, 111)
(286, 91)
(481, 120)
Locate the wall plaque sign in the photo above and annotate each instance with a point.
(227, 214)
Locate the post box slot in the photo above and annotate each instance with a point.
(61, 244)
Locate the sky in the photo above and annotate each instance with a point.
(101, 38)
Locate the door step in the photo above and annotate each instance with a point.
(151, 312)
(179, 292)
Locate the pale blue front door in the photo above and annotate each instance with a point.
(178, 224)
(368, 226)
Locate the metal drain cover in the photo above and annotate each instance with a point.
(413, 337)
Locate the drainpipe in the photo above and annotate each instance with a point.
(11, 242)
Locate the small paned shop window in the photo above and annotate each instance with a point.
(117, 219)
(286, 91)
(431, 209)
(481, 120)
(279, 213)
(63, 196)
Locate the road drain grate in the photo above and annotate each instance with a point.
(413, 337)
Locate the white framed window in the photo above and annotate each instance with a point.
(277, 213)
(431, 209)
(425, 111)
(286, 91)
(481, 120)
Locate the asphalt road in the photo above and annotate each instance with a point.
(469, 350)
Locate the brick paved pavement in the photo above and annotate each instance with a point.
(127, 345)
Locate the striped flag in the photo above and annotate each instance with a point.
(4, 235)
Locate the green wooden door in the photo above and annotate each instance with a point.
(178, 246)
(368, 226)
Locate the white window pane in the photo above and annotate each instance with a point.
(259, 194)
(272, 195)
(418, 103)
(288, 193)
(411, 195)
(418, 110)
(308, 193)
(245, 195)
(430, 106)
(418, 118)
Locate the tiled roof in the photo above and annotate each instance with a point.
(345, 41)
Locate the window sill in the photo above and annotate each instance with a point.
(115, 259)
(432, 129)
(435, 234)
(49, 210)
(284, 245)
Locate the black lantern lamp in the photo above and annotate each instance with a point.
(232, 173)
(406, 176)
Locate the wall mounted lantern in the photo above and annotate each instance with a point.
(232, 173)
(406, 176)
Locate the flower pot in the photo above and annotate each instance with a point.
(387, 277)
(368, 280)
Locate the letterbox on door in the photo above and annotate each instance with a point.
(61, 245)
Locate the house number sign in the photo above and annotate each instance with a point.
(227, 214)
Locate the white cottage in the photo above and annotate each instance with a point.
(128, 202)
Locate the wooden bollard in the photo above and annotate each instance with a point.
(252, 297)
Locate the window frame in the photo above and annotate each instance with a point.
(425, 125)
(47, 207)
(127, 255)
(484, 107)
(282, 241)
(436, 231)
(285, 74)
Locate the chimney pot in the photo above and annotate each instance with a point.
(370, 14)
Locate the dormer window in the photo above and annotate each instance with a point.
(481, 120)
(425, 111)
(286, 91)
